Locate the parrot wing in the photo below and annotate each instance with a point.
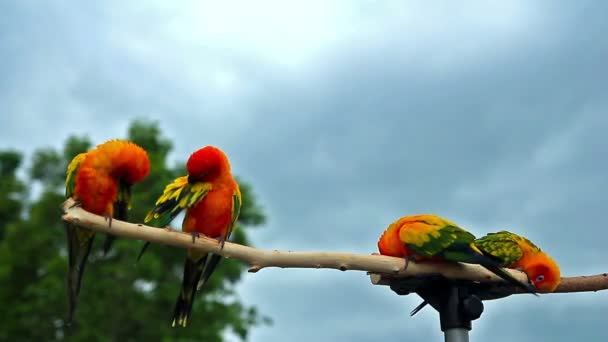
(176, 197)
(214, 259)
(500, 245)
(79, 241)
(72, 169)
(236, 210)
(432, 237)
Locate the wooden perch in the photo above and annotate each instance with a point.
(388, 267)
(592, 283)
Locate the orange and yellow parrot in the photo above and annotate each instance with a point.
(432, 238)
(517, 252)
(513, 251)
(100, 182)
(212, 200)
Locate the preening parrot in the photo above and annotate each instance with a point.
(212, 200)
(100, 181)
(433, 238)
(517, 252)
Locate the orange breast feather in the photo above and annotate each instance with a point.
(95, 189)
(212, 215)
(390, 244)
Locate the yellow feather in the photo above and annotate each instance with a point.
(421, 228)
(71, 172)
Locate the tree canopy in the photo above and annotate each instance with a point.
(120, 300)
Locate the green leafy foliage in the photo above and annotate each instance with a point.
(120, 300)
(12, 190)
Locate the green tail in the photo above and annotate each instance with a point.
(212, 262)
(193, 271)
(418, 308)
(121, 212)
(508, 278)
(80, 241)
(107, 243)
(196, 275)
(465, 253)
(143, 249)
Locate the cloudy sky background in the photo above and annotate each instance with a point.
(345, 116)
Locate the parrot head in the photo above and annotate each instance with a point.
(206, 164)
(390, 244)
(126, 160)
(544, 273)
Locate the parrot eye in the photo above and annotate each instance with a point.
(540, 278)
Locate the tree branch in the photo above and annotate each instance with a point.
(498, 290)
(390, 268)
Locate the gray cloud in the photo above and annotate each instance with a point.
(492, 118)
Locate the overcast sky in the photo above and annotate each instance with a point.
(345, 116)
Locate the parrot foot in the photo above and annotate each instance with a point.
(168, 229)
(221, 240)
(195, 235)
(407, 260)
(109, 220)
(77, 203)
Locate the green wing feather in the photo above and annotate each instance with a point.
(502, 246)
(444, 239)
(236, 211)
(435, 237)
(212, 261)
(177, 196)
(70, 174)
(79, 242)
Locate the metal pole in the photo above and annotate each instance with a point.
(457, 308)
(456, 335)
(456, 302)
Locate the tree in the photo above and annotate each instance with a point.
(12, 190)
(119, 300)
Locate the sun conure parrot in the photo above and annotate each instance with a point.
(100, 182)
(432, 238)
(517, 252)
(212, 200)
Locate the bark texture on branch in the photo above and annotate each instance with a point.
(389, 267)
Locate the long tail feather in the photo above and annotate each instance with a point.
(493, 267)
(107, 243)
(143, 249)
(121, 212)
(79, 241)
(418, 308)
(508, 278)
(212, 261)
(193, 270)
